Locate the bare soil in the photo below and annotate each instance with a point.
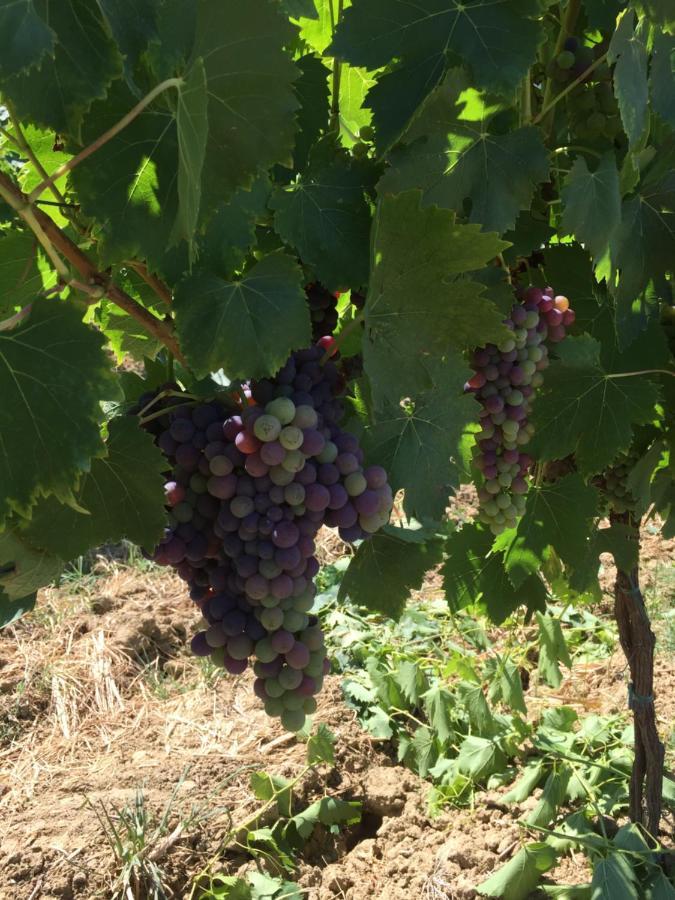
(98, 697)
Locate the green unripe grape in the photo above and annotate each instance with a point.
(274, 707)
(355, 484)
(532, 318)
(267, 428)
(507, 345)
(528, 366)
(269, 602)
(293, 719)
(515, 398)
(273, 688)
(295, 621)
(522, 438)
(328, 454)
(280, 475)
(503, 502)
(492, 507)
(271, 619)
(499, 418)
(198, 483)
(268, 568)
(294, 494)
(305, 417)
(565, 59)
(290, 678)
(537, 380)
(264, 650)
(282, 408)
(505, 480)
(367, 133)
(500, 518)
(293, 701)
(596, 122)
(360, 150)
(304, 602)
(291, 437)
(503, 466)
(293, 462)
(497, 529)
(492, 486)
(309, 706)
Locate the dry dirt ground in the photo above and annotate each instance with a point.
(98, 697)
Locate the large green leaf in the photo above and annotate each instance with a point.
(592, 203)
(247, 327)
(552, 651)
(385, 569)
(472, 571)
(520, 876)
(192, 127)
(642, 248)
(134, 25)
(250, 79)
(58, 92)
(498, 42)
(418, 441)
(453, 157)
(662, 77)
(11, 610)
(22, 274)
(325, 217)
(628, 51)
(25, 37)
(312, 92)
(420, 302)
(613, 877)
(123, 497)
(23, 569)
(583, 409)
(559, 514)
(53, 376)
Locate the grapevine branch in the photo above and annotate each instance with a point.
(115, 129)
(157, 285)
(22, 143)
(95, 284)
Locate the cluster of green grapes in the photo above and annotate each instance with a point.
(614, 483)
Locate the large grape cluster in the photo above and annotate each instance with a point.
(322, 309)
(506, 377)
(247, 492)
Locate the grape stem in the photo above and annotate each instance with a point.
(570, 87)
(340, 339)
(104, 138)
(153, 282)
(58, 246)
(579, 149)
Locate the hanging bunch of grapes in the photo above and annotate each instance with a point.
(248, 490)
(506, 377)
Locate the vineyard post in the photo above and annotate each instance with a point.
(638, 642)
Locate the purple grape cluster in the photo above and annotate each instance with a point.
(322, 309)
(506, 377)
(247, 493)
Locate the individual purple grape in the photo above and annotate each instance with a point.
(282, 641)
(317, 497)
(285, 534)
(235, 666)
(338, 496)
(376, 477)
(298, 656)
(199, 644)
(181, 430)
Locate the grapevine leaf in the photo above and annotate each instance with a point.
(385, 570)
(479, 758)
(354, 85)
(627, 49)
(592, 203)
(24, 37)
(419, 300)
(613, 877)
(134, 25)
(53, 375)
(552, 650)
(499, 43)
(659, 887)
(327, 811)
(324, 215)
(589, 413)
(471, 571)
(559, 514)
(452, 156)
(24, 568)
(642, 247)
(20, 273)
(316, 30)
(51, 154)
(530, 778)
(129, 184)
(57, 93)
(662, 77)
(512, 688)
(300, 8)
(247, 327)
(419, 442)
(552, 797)
(122, 495)
(438, 705)
(311, 89)
(520, 876)
(192, 127)
(11, 610)
(396, 96)
(321, 747)
(250, 79)
(619, 540)
(602, 14)
(476, 706)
